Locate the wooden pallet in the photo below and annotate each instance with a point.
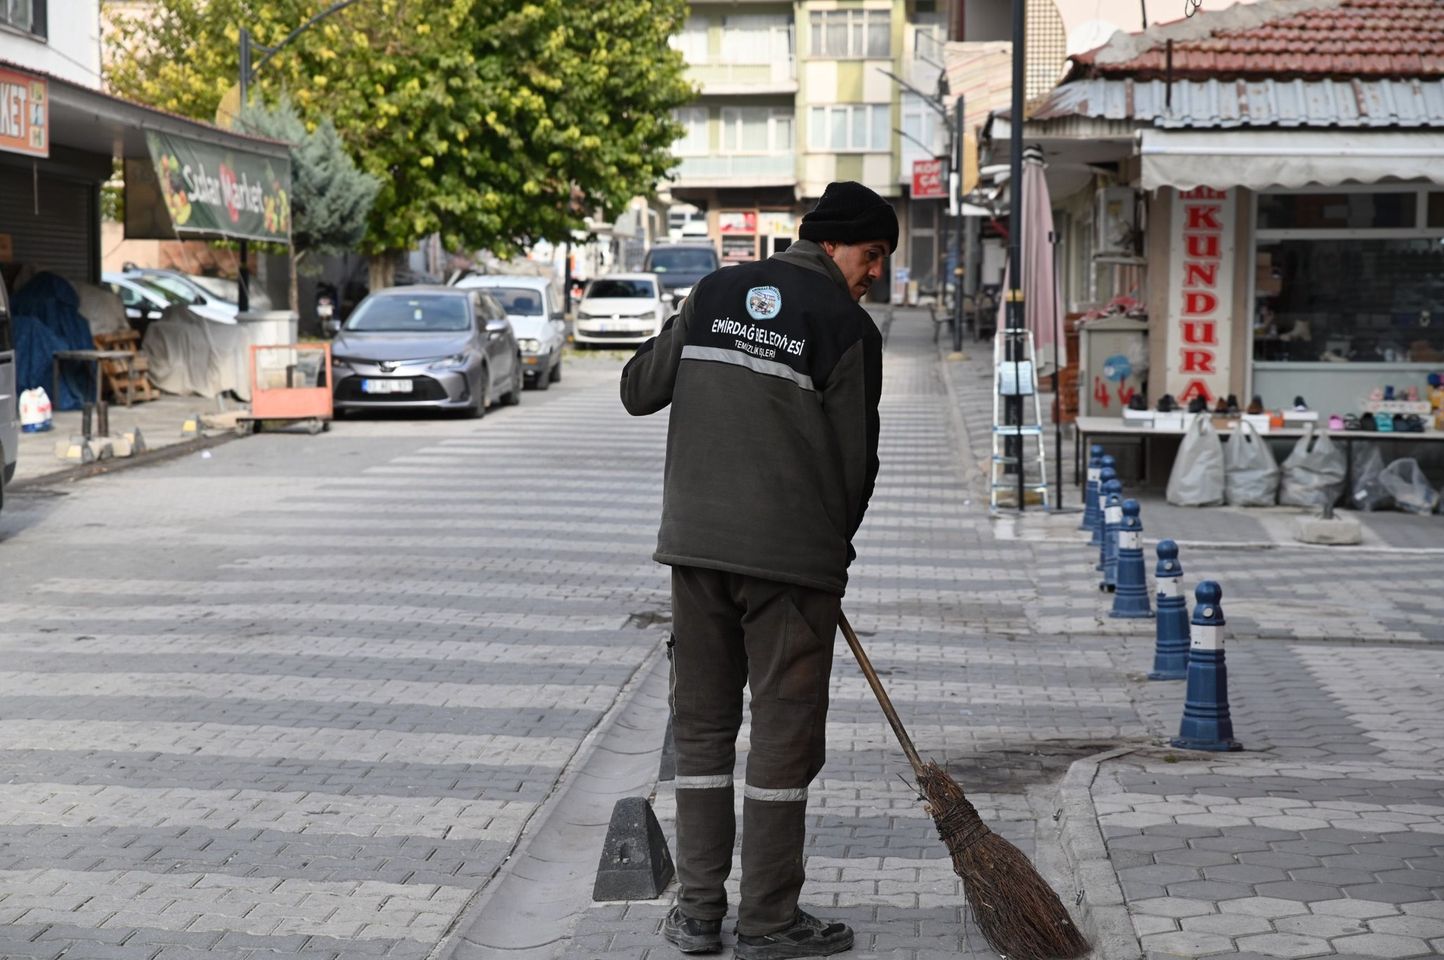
(127, 384)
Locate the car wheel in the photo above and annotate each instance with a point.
(555, 376)
(483, 387)
(513, 396)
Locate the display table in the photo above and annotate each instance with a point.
(1093, 427)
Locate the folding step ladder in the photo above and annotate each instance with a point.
(1017, 379)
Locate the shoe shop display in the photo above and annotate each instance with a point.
(1197, 405)
(1383, 422)
(1336, 422)
(1300, 405)
(807, 937)
(1232, 406)
(1366, 422)
(1166, 403)
(691, 935)
(1220, 409)
(1255, 406)
(1138, 402)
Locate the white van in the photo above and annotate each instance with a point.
(537, 314)
(9, 398)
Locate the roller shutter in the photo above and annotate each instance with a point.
(64, 236)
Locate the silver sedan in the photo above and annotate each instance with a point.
(420, 347)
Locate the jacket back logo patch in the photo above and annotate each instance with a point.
(764, 303)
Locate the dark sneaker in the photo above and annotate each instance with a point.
(807, 937)
(691, 935)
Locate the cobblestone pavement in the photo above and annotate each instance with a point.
(299, 696)
(300, 717)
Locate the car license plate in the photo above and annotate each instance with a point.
(385, 386)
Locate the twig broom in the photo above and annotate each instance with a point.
(1020, 915)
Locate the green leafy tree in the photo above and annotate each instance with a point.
(492, 122)
(330, 196)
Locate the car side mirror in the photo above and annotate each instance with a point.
(497, 327)
(198, 300)
(332, 327)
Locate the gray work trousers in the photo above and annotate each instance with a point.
(731, 630)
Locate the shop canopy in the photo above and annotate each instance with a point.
(1263, 159)
(183, 178)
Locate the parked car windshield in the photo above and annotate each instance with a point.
(173, 285)
(518, 301)
(419, 313)
(683, 260)
(622, 289)
(169, 296)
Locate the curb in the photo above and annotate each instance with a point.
(116, 464)
(544, 885)
(1101, 905)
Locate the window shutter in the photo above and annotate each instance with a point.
(38, 22)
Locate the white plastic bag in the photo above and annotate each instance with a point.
(1197, 479)
(35, 410)
(1251, 474)
(1405, 482)
(1315, 472)
(1365, 490)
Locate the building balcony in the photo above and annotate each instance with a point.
(737, 170)
(717, 77)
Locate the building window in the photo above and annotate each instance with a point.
(694, 140)
(756, 39)
(851, 33)
(26, 15)
(691, 41)
(849, 127)
(921, 124)
(1349, 276)
(756, 130)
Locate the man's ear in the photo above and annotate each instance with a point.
(829, 247)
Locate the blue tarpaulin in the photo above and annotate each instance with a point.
(47, 318)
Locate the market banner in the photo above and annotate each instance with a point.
(24, 114)
(191, 188)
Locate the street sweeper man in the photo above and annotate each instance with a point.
(773, 372)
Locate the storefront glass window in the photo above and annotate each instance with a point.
(1336, 211)
(1359, 299)
(1436, 210)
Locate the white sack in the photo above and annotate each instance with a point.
(1251, 475)
(1314, 473)
(1197, 479)
(1404, 480)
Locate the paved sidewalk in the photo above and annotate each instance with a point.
(159, 422)
(1324, 838)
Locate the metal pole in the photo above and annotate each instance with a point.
(243, 298)
(959, 268)
(1014, 343)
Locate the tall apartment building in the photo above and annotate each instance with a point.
(797, 94)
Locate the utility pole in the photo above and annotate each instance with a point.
(955, 203)
(1014, 343)
(248, 71)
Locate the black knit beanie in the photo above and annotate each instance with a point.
(850, 213)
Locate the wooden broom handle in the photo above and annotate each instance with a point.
(882, 698)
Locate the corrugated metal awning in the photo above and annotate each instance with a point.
(1250, 103)
(1260, 159)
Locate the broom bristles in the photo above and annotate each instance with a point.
(1020, 915)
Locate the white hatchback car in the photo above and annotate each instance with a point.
(620, 308)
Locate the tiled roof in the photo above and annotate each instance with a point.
(1283, 39)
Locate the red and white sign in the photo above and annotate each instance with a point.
(930, 180)
(24, 114)
(1200, 295)
(737, 221)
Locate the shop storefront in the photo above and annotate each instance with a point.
(1283, 233)
(53, 166)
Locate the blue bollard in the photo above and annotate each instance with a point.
(1112, 523)
(1090, 488)
(1170, 645)
(1206, 721)
(1130, 600)
(1105, 473)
